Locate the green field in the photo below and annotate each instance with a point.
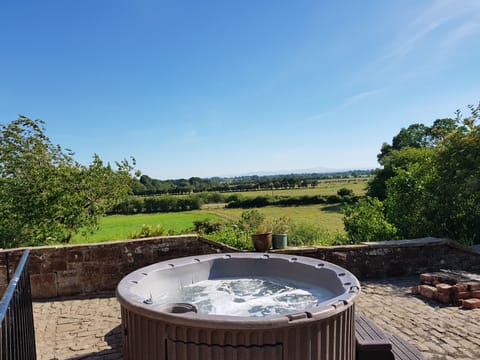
(329, 217)
(117, 227)
(325, 216)
(324, 188)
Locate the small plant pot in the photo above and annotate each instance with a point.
(262, 242)
(279, 241)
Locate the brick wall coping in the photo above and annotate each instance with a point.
(103, 243)
(411, 242)
(423, 242)
(475, 248)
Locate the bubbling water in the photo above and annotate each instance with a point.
(252, 297)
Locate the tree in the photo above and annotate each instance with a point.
(393, 158)
(395, 161)
(442, 127)
(416, 135)
(409, 202)
(435, 190)
(45, 195)
(457, 183)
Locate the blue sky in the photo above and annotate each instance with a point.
(214, 88)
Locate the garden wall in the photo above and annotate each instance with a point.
(97, 268)
(375, 260)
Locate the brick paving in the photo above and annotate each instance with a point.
(79, 328)
(88, 328)
(440, 332)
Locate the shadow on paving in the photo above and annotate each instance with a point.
(114, 339)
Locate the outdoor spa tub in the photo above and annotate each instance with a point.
(239, 306)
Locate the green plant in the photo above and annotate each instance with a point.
(263, 228)
(280, 225)
(365, 221)
(250, 220)
(305, 234)
(231, 235)
(207, 226)
(148, 231)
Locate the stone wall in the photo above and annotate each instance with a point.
(97, 268)
(396, 258)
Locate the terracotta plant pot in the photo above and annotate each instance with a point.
(262, 242)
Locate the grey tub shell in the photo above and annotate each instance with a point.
(176, 331)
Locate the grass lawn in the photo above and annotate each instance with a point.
(117, 227)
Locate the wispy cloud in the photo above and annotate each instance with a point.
(315, 117)
(361, 96)
(460, 33)
(347, 102)
(443, 23)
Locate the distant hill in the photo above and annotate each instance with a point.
(316, 170)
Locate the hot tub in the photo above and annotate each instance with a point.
(157, 326)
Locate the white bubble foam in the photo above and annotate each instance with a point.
(247, 296)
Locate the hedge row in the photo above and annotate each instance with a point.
(155, 204)
(172, 203)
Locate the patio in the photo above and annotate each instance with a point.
(88, 327)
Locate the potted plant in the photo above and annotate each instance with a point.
(252, 223)
(280, 231)
(262, 238)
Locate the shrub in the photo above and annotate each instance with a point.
(148, 231)
(333, 199)
(132, 205)
(250, 220)
(233, 198)
(261, 201)
(365, 221)
(345, 192)
(154, 204)
(212, 198)
(280, 225)
(237, 235)
(207, 226)
(233, 236)
(254, 202)
(302, 234)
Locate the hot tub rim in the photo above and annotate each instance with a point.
(326, 309)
